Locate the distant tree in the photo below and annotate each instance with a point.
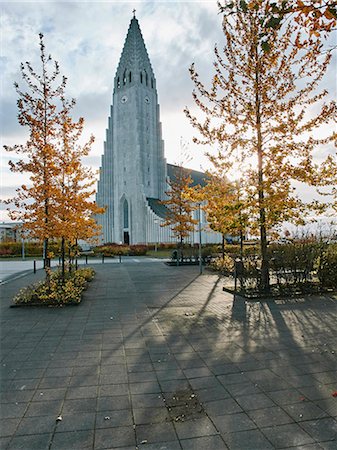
(225, 202)
(180, 205)
(257, 108)
(35, 204)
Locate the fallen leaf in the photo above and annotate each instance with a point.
(334, 394)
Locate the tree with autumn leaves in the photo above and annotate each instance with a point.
(56, 204)
(256, 111)
(180, 205)
(225, 202)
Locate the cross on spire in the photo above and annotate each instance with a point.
(134, 12)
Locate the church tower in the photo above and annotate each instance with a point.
(133, 169)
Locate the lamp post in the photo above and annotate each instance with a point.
(156, 221)
(23, 248)
(200, 260)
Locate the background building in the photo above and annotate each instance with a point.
(134, 174)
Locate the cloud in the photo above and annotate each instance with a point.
(87, 39)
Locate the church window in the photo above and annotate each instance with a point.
(129, 77)
(126, 213)
(146, 79)
(148, 169)
(152, 83)
(124, 77)
(141, 77)
(148, 183)
(118, 83)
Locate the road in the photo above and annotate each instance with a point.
(17, 269)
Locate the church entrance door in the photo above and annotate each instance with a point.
(126, 238)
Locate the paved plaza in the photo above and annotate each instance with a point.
(158, 357)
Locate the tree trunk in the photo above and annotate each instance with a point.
(241, 244)
(63, 256)
(223, 246)
(264, 281)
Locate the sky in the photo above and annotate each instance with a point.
(86, 38)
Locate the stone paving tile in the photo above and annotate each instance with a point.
(76, 422)
(247, 440)
(163, 432)
(317, 392)
(4, 442)
(37, 425)
(147, 401)
(299, 381)
(36, 442)
(304, 411)
(114, 403)
(141, 377)
(12, 410)
(174, 385)
(195, 428)
(52, 382)
(267, 417)
(26, 383)
(287, 435)
(212, 394)
(143, 416)
(315, 446)
(197, 373)
(139, 367)
(172, 445)
(79, 405)
(233, 378)
(167, 375)
(113, 389)
(254, 401)
(326, 377)
(48, 407)
(81, 392)
(330, 445)
(329, 405)
(246, 388)
(287, 396)
(321, 430)
(204, 443)
(42, 395)
(16, 396)
(8, 426)
(146, 387)
(222, 407)
(73, 440)
(233, 422)
(117, 418)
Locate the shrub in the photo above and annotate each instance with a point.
(31, 248)
(326, 266)
(137, 250)
(224, 265)
(57, 292)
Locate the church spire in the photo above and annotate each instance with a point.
(134, 64)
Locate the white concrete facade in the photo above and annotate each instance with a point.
(133, 174)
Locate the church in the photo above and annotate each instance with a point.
(134, 174)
